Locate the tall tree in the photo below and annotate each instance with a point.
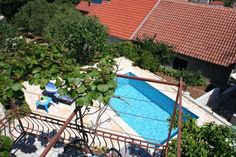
(34, 16)
(83, 36)
(9, 7)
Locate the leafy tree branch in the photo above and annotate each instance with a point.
(39, 64)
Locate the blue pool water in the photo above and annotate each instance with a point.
(144, 108)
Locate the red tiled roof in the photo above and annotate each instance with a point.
(84, 6)
(200, 31)
(122, 17)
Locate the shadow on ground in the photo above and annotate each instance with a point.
(31, 146)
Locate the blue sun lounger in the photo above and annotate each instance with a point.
(52, 91)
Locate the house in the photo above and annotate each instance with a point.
(122, 17)
(203, 36)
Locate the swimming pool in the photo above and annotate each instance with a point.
(144, 108)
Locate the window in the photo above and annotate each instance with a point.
(180, 64)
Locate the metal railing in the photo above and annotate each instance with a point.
(56, 130)
(47, 127)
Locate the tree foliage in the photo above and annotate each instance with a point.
(228, 3)
(146, 53)
(65, 1)
(34, 16)
(209, 140)
(5, 145)
(9, 7)
(83, 36)
(126, 49)
(153, 56)
(162, 52)
(148, 61)
(7, 35)
(39, 64)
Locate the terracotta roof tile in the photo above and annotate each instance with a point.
(122, 17)
(200, 31)
(84, 6)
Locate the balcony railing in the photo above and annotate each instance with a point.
(72, 132)
(45, 127)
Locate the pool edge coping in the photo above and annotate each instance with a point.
(189, 98)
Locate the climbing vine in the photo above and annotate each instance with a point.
(5, 145)
(39, 64)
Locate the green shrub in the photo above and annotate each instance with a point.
(5, 145)
(148, 61)
(65, 1)
(209, 140)
(149, 55)
(127, 50)
(162, 52)
(75, 1)
(228, 3)
(146, 53)
(190, 78)
(109, 49)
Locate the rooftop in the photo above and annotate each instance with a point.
(121, 17)
(201, 31)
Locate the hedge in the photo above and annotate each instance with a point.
(190, 78)
(150, 55)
